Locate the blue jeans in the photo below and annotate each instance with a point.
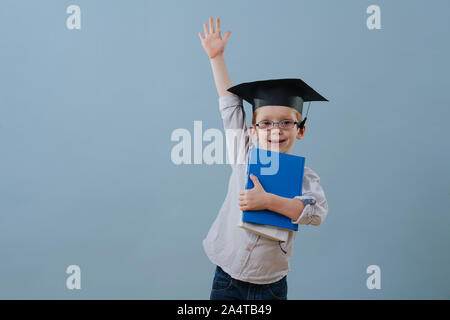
(226, 288)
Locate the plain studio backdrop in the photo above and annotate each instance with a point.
(86, 116)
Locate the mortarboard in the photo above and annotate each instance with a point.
(279, 92)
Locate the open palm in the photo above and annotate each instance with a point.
(212, 42)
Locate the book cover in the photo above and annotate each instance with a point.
(280, 174)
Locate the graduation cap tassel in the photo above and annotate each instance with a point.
(306, 117)
(307, 111)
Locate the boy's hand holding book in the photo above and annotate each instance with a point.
(258, 199)
(254, 199)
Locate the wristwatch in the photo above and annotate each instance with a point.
(309, 201)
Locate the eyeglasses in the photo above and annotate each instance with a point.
(283, 124)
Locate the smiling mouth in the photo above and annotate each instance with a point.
(277, 141)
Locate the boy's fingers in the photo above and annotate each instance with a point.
(218, 25)
(211, 25)
(205, 28)
(201, 36)
(227, 34)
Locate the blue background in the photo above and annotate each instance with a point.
(86, 118)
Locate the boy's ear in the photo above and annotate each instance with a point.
(301, 132)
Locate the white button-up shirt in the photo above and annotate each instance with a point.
(242, 254)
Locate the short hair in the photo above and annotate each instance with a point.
(297, 114)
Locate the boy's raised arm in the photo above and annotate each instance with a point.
(230, 105)
(221, 76)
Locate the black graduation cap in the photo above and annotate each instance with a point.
(279, 92)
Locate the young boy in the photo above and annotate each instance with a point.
(249, 266)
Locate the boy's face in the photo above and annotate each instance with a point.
(276, 139)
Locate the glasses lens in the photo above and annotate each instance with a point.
(265, 124)
(287, 124)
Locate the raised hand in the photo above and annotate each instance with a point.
(212, 42)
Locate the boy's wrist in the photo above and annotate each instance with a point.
(216, 57)
(291, 208)
(269, 201)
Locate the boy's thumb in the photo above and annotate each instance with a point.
(254, 179)
(226, 35)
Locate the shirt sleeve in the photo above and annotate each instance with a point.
(236, 135)
(312, 214)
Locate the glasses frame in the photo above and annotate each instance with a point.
(277, 123)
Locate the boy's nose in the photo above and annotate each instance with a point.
(275, 127)
(275, 131)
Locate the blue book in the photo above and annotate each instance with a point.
(280, 174)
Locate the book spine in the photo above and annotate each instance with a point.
(246, 174)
